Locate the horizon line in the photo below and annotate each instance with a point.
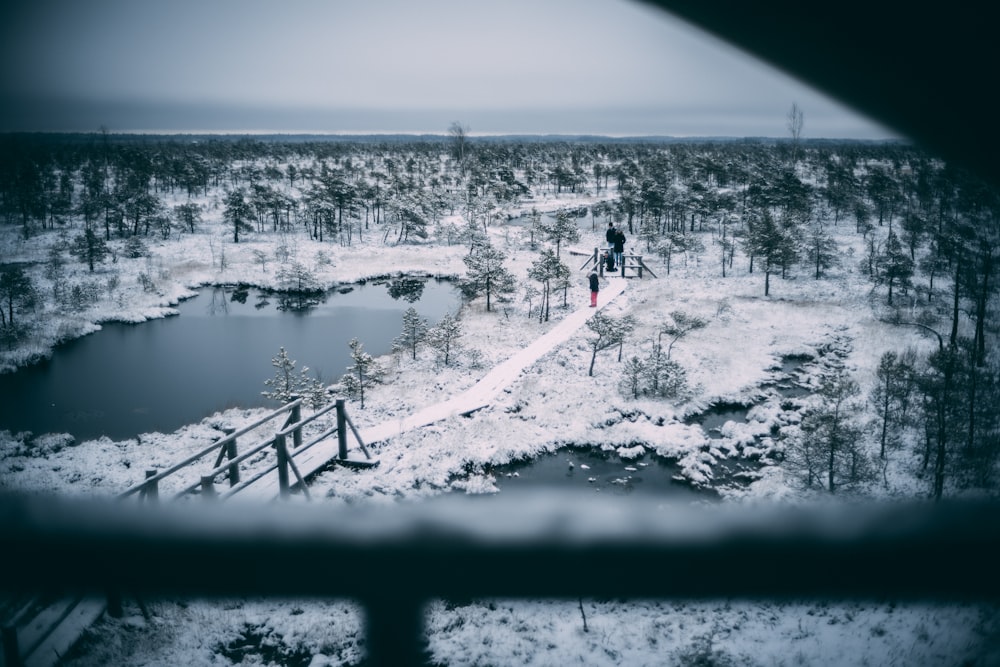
(443, 135)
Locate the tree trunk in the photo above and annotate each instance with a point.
(953, 339)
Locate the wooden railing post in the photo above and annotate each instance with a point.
(282, 450)
(208, 487)
(11, 650)
(295, 418)
(638, 259)
(234, 468)
(151, 491)
(115, 609)
(341, 430)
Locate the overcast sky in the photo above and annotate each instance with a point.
(613, 67)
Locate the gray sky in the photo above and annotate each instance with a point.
(612, 67)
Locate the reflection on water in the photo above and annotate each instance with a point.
(159, 375)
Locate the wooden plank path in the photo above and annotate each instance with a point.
(475, 398)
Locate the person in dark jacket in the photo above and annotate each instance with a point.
(609, 236)
(609, 261)
(595, 286)
(619, 245)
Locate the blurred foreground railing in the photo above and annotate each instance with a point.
(530, 546)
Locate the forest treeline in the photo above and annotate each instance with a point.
(930, 232)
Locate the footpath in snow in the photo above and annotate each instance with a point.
(475, 398)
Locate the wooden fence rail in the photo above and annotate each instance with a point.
(631, 265)
(149, 485)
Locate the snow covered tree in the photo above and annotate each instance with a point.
(820, 248)
(633, 372)
(548, 271)
(830, 446)
(674, 242)
(414, 332)
(681, 325)
(893, 266)
(895, 381)
(90, 248)
(238, 213)
(530, 293)
(608, 332)
(364, 373)
(561, 229)
(770, 242)
(16, 290)
(472, 234)
(444, 336)
(286, 385)
(794, 122)
(459, 134)
(300, 286)
(487, 274)
(187, 216)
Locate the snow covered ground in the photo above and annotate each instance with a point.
(554, 403)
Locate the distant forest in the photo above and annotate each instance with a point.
(930, 231)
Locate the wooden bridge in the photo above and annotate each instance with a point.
(38, 631)
(631, 266)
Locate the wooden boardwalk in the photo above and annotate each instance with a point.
(475, 398)
(41, 639)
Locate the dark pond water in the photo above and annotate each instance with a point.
(597, 471)
(606, 472)
(159, 375)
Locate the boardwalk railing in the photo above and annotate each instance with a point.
(287, 443)
(42, 628)
(556, 545)
(631, 265)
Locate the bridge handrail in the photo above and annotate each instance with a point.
(257, 448)
(291, 428)
(225, 466)
(214, 446)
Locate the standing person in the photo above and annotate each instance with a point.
(595, 286)
(619, 245)
(609, 236)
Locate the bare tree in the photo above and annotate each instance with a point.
(459, 137)
(795, 121)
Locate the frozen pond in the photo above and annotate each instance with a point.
(159, 375)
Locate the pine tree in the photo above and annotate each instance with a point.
(548, 271)
(820, 248)
(90, 248)
(832, 439)
(562, 229)
(769, 241)
(487, 274)
(364, 373)
(891, 395)
(414, 332)
(286, 385)
(444, 337)
(894, 268)
(16, 288)
(633, 372)
(238, 213)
